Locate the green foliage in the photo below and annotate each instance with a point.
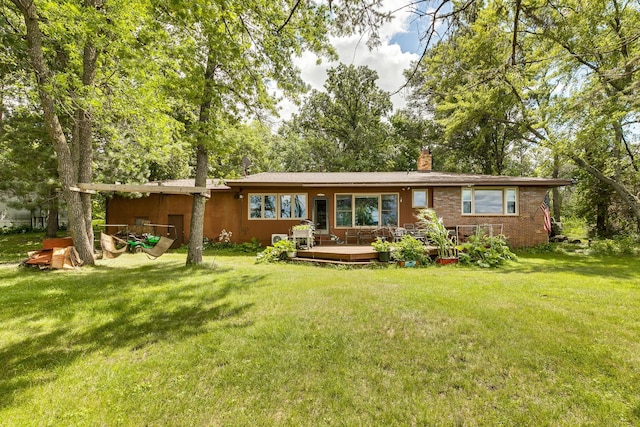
(623, 245)
(341, 128)
(485, 251)
(437, 233)
(250, 247)
(380, 245)
(410, 249)
(286, 245)
(516, 82)
(277, 252)
(301, 227)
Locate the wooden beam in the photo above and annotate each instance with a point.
(132, 188)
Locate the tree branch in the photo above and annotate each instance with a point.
(293, 10)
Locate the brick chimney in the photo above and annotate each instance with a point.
(424, 161)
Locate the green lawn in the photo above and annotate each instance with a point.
(551, 340)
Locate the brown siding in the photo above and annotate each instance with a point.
(222, 211)
(227, 210)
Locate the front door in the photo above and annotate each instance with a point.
(320, 215)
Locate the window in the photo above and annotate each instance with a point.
(344, 211)
(419, 199)
(389, 209)
(366, 210)
(293, 206)
(274, 206)
(489, 201)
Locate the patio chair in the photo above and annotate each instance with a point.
(365, 236)
(351, 233)
(384, 233)
(399, 233)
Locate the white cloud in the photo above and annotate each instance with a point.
(388, 60)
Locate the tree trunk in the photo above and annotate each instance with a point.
(196, 230)
(555, 192)
(85, 134)
(52, 219)
(66, 170)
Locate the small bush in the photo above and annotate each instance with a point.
(19, 229)
(485, 251)
(277, 252)
(627, 245)
(410, 249)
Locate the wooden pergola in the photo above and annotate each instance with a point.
(137, 188)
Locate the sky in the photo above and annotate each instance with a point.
(400, 45)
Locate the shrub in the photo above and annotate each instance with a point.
(380, 245)
(277, 252)
(410, 249)
(627, 245)
(485, 251)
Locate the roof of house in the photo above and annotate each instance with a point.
(380, 179)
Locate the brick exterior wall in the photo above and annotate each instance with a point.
(522, 230)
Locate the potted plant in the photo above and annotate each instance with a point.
(383, 247)
(439, 236)
(409, 252)
(303, 231)
(288, 246)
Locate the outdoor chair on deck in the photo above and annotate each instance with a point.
(399, 233)
(383, 233)
(365, 236)
(351, 233)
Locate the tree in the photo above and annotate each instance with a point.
(87, 57)
(27, 165)
(343, 128)
(464, 79)
(566, 68)
(231, 52)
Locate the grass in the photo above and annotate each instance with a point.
(551, 340)
(14, 247)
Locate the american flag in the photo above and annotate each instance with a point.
(546, 213)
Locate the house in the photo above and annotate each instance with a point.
(15, 217)
(267, 204)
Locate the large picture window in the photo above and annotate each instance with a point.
(366, 210)
(489, 201)
(277, 206)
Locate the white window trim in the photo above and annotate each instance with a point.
(413, 198)
(277, 216)
(353, 211)
(504, 201)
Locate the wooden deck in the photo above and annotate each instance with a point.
(344, 254)
(340, 253)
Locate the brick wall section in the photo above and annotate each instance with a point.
(524, 229)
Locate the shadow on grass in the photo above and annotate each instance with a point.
(66, 316)
(619, 267)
